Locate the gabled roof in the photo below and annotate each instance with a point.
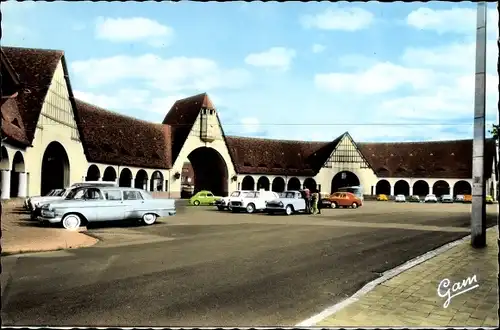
(433, 159)
(112, 138)
(35, 68)
(182, 117)
(9, 84)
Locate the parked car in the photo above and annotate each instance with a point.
(289, 202)
(459, 198)
(414, 199)
(446, 199)
(345, 199)
(400, 199)
(325, 203)
(430, 198)
(382, 197)
(92, 204)
(467, 199)
(203, 197)
(489, 199)
(38, 201)
(223, 202)
(252, 201)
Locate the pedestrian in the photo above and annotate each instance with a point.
(320, 205)
(314, 202)
(307, 197)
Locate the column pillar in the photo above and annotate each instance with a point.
(145, 185)
(411, 190)
(430, 189)
(392, 190)
(22, 184)
(5, 184)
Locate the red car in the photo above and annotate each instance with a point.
(345, 199)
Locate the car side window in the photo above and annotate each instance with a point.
(131, 195)
(210, 195)
(93, 194)
(257, 195)
(113, 195)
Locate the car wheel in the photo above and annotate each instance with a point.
(250, 208)
(334, 205)
(289, 210)
(149, 218)
(196, 203)
(220, 208)
(354, 205)
(71, 222)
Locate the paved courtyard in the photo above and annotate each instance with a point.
(204, 267)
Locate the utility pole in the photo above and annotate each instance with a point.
(478, 214)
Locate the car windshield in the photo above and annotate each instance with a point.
(235, 194)
(282, 194)
(75, 193)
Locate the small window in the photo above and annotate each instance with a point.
(210, 195)
(93, 194)
(211, 112)
(131, 195)
(113, 195)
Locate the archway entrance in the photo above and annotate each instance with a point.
(248, 183)
(263, 183)
(420, 188)
(93, 173)
(109, 174)
(383, 187)
(441, 188)
(278, 184)
(55, 168)
(141, 180)
(293, 184)
(462, 188)
(310, 184)
(156, 181)
(344, 179)
(401, 187)
(210, 171)
(125, 178)
(15, 173)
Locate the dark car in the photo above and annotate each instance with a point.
(414, 199)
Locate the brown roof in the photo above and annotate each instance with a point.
(12, 123)
(9, 79)
(35, 68)
(434, 159)
(279, 157)
(112, 138)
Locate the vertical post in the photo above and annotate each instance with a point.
(478, 214)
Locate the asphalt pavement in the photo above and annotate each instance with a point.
(207, 268)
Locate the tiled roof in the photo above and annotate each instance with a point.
(35, 68)
(12, 123)
(9, 79)
(279, 157)
(112, 138)
(435, 159)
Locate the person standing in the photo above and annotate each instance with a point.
(319, 202)
(314, 201)
(307, 195)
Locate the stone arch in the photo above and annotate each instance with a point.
(263, 183)
(55, 168)
(248, 183)
(401, 187)
(18, 167)
(156, 183)
(440, 188)
(310, 184)
(141, 180)
(93, 173)
(210, 171)
(383, 187)
(125, 178)
(278, 184)
(293, 184)
(109, 174)
(420, 188)
(344, 179)
(462, 187)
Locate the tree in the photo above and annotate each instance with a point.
(494, 131)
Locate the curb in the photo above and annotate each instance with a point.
(387, 275)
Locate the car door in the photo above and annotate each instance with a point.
(113, 207)
(202, 197)
(210, 198)
(132, 204)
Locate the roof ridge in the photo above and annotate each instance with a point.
(35, 49)
(277, 140)
(418, 142)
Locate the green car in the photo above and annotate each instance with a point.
(203, 197)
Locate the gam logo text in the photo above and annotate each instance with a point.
(444, 289)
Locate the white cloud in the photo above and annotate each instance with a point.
(122, 99)
(317, 48)
(454, 20)
(276, 57)
(133, 29)
(380, 78)
(167, 74)
(343, 19)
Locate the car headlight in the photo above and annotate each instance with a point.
(281, 204)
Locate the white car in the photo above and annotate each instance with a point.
(252, 201)
(290, 202)
(224, 202)
(400, 199)
(430, 198)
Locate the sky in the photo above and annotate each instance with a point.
(300, 71)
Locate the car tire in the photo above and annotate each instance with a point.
(148, 219)
(196, 203)
(250, 208)
(354, 205)
(71, 222)
(334, 205)
(289, 210)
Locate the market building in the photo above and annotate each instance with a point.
(50, 140)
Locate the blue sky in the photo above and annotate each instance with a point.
(309, 71)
